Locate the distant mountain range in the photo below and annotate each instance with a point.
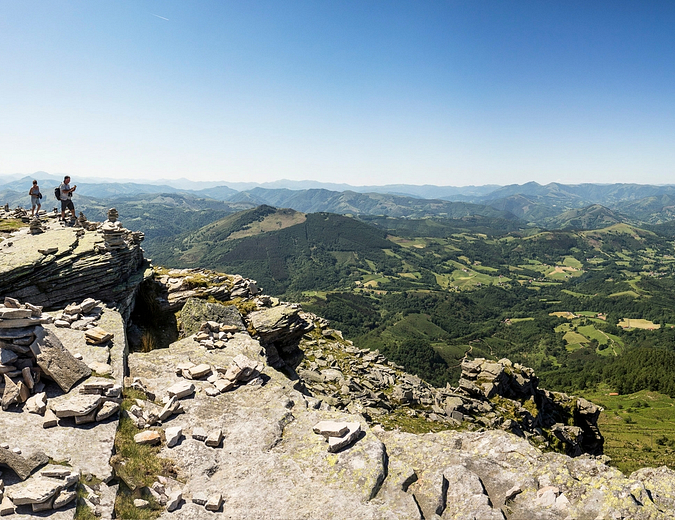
(539, 205)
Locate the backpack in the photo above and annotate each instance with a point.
(57, 192)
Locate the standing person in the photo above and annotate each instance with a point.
(67, 197)
(35, 197)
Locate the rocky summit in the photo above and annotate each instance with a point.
(261, 410)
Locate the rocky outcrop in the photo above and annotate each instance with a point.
(263, 411)
(64, 264)
(282, 430)
(568, 421)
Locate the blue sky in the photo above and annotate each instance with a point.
(364, 92)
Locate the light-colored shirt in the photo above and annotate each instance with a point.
(65, 189)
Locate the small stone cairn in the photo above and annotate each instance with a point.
(116, 236)
(35, 226)
(213, 335)
(83, 223)
(113, 232)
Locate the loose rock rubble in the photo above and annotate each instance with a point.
(53, 487)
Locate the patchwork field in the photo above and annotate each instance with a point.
(639, 429)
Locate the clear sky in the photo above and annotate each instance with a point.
(362, 92)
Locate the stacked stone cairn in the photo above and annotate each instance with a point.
(213, 335)
(83, 223)
(35, 226)
(113, 231)
(19, 367)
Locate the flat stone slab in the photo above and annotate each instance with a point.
(76, 405)
(56, 361)
(22, 465)
(35, 490)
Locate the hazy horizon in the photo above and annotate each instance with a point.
(442, 93)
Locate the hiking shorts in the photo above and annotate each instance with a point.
(34, 201)
(67, 204)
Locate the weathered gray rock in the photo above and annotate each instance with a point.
(56, 361)
(75, 405)
(214, 502)
(22, 466)
(352, 435)
(181, 389)
(7, 507)
(35, 490)
(37, 404)
(196, 311)
(331, 428)
(148, 437)
(214, 438)
(173, 435)
(11, 394)
(108, 409)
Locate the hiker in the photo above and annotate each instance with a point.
(67, 198)
(35, 197)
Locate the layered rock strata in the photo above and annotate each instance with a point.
(64, 264)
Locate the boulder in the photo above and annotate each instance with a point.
(196, 311)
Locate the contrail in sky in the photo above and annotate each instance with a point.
(153, 14)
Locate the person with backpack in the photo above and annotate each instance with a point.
(35, 197)
(66, 197)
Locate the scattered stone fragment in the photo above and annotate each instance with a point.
(211, 391)
(199, 434)
(64, 499)
(55, 471)
(37, 404)
(139, 503)
(35, 490)
(181, 389)
(337, 443)
(96, 385)
(199, 371)
(97, 335)
(214, 438)
(173, 436)
(200, 498)
(108, 409)
(75, 405)
(148, 437)
(331, 428)
(7, 507)
(50, 419)
(223, 385)
(512, 493)
(214, 502)
(175, 498)
(11, 394)
(103, 369)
